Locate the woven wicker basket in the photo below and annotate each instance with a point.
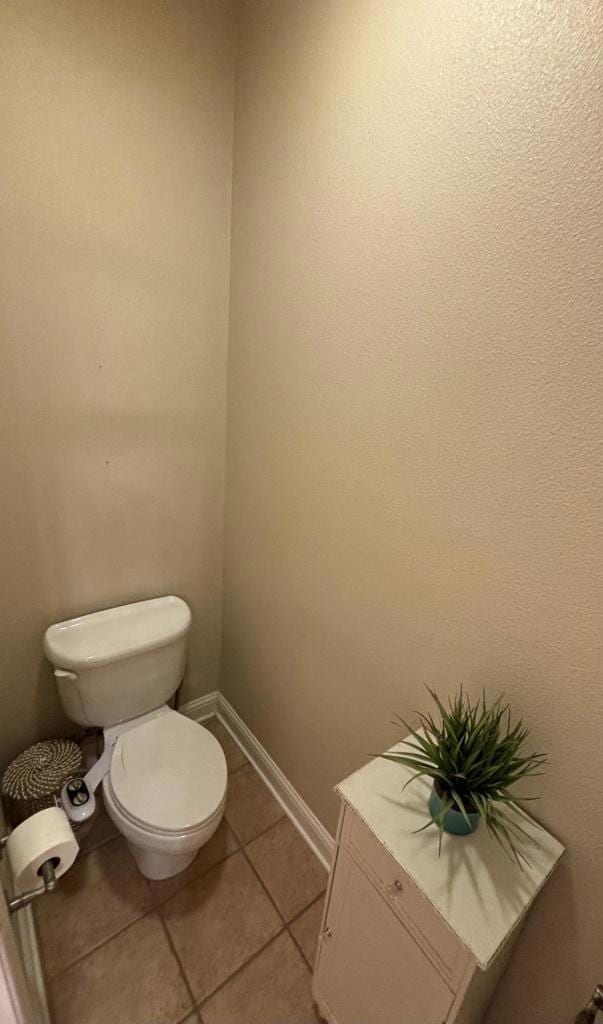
(34, 779)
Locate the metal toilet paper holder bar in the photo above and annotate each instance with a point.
(46, 872)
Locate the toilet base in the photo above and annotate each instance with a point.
(156, 866)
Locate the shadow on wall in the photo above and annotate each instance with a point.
(117, 151)
(109, 496)
(553, 917)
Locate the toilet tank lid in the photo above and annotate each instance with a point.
(115, 633)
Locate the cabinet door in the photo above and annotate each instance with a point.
(370, 970)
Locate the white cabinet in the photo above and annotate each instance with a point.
(370, 968)
(409, 937)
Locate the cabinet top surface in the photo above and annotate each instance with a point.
(479, 891)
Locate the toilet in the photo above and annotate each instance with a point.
(163, 776)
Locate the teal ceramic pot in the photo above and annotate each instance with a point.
(454, 821)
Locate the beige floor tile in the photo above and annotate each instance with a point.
(273, 989)
(133, 979)
(232, 751)
(250, 806)
(288, 868)
(101, 894)
(98, 830)
(305, 930)
(218, 922)
(220, 846)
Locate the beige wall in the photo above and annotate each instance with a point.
(413, 467)
(414, 389)
(115, 170)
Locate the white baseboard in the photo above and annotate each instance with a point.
(23, 940)
(296, 808)
(201, 708)
(32, 964)
(307, 824)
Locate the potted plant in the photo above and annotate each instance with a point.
(473, 754)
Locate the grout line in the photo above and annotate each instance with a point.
(178, 960)
(231, 771)
(299, 949)
(320, 896)
(307, 906)
(248, 842)
(94, 949)
(311, 829)
(153, 908)
(242, 967)
(287, 928)
(193, 1015)
(292, 934)
(281, 915)
(296, 918)
(144, 913)
(282, 929)
(264, 887)
(287, 924)
(159, 900)
(158, 904)
(98, 845)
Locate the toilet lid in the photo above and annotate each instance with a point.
(169, 773)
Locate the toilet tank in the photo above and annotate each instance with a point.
(119, 663)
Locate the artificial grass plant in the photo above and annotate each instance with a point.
(473, 754)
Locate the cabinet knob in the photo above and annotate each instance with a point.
(327, 933)
(394, 890)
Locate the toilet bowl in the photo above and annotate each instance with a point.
(165, 790)
(163, 776)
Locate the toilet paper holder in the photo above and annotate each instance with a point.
(46, 872)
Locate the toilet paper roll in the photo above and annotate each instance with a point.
(47, 835)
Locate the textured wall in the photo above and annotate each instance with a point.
(414, 462)
(115, 167)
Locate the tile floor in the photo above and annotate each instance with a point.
(229, 941)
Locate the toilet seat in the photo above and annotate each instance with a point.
(168, 776)
(158, 835)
